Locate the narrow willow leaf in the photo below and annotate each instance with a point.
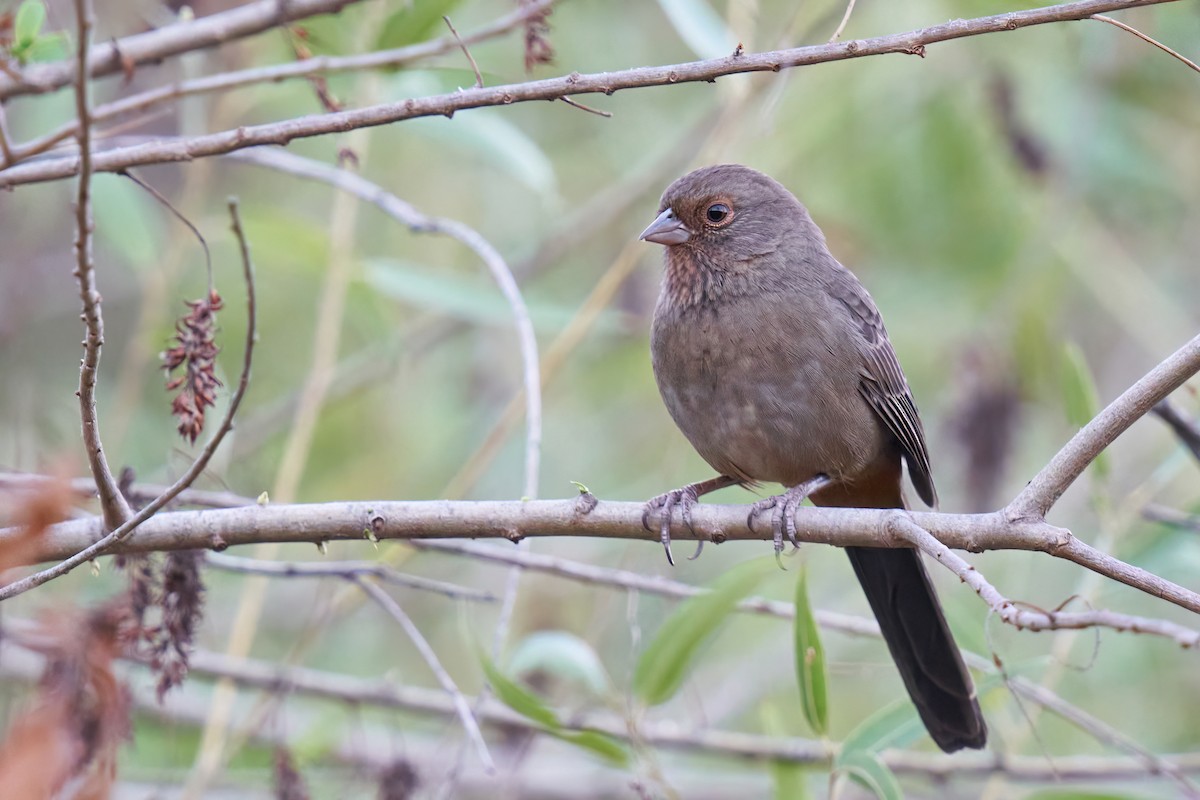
(518, 698)
(603, 745)
(868, 770)
(894, 725)
(810, 661)
(1080, 398)
(665, 662)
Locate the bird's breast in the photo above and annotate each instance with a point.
(761, 392)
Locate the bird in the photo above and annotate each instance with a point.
(773, 360)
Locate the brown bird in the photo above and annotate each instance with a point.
(773, 360)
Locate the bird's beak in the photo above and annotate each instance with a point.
(666, 229)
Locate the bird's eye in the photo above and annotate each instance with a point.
(717, 213)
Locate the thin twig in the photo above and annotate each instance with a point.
(409, 216)
(1146, 38)
(316, 65)
(1026, 618)
(461, 707)
(6, 149)
(112, 504)
(280, 133)
(157, 195)
(837, 34)
(1183, 426)
(466, 52)
(346, 570)
(582, 107)
(120, 534)
(153, 46)
(1172, 517)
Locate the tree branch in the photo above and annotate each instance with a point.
(1036, 499)
(316, 65)
(172, 40)
(103, 544)
(515, 520)
(280, 133)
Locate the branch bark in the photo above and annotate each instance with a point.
(172, 40)
(280, 133)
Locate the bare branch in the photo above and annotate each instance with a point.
(306, 68)
(1027, 618)
(156, 45)
(461, 706)
(1036, 499)
(837, 33)
(109, 542)
(112, 505)
(1184, 427)
(1172, 517)
(407, 215)
(279, 133)
(466, 52)
(667, 735)
(515, 520)
(1146, 38)
(346, 570)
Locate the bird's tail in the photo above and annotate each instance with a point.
(915, 629)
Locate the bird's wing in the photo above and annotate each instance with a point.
(883, 384)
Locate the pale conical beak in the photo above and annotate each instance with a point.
(666, 229)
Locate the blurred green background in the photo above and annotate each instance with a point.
(1008, 200)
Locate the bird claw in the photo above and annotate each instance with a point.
(665, 504)
(784, 506)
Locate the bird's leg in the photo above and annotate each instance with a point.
(785, 506)
(685, 498)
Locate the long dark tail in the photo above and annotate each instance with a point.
(916, 633)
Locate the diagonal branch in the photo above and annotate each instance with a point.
(305, 68)
(1036, 499)
(280, 133)
(112, 540)
(461, 706)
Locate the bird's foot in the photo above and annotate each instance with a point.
(685, 499)
(664, 505)
(784, 507)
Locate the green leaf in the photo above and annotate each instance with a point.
(810, 661)
(525, 703)
(416, 21)
(894, 725)
(701, 28)
(31, 16)
(1080, 398)
(51, 47)
(563, 655)
(601, 744)
(790, 779)
(868, 770)
(517, 697)
(1080, 794)
(473, 298)
(665, 662)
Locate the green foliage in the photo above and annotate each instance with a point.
(563, 655)
(666, 661)
(868, 770)
(415, 21)
(528, 705)
(810, 660)
(29, 43)
(1080, 398)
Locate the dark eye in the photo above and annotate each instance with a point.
(717, 213)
